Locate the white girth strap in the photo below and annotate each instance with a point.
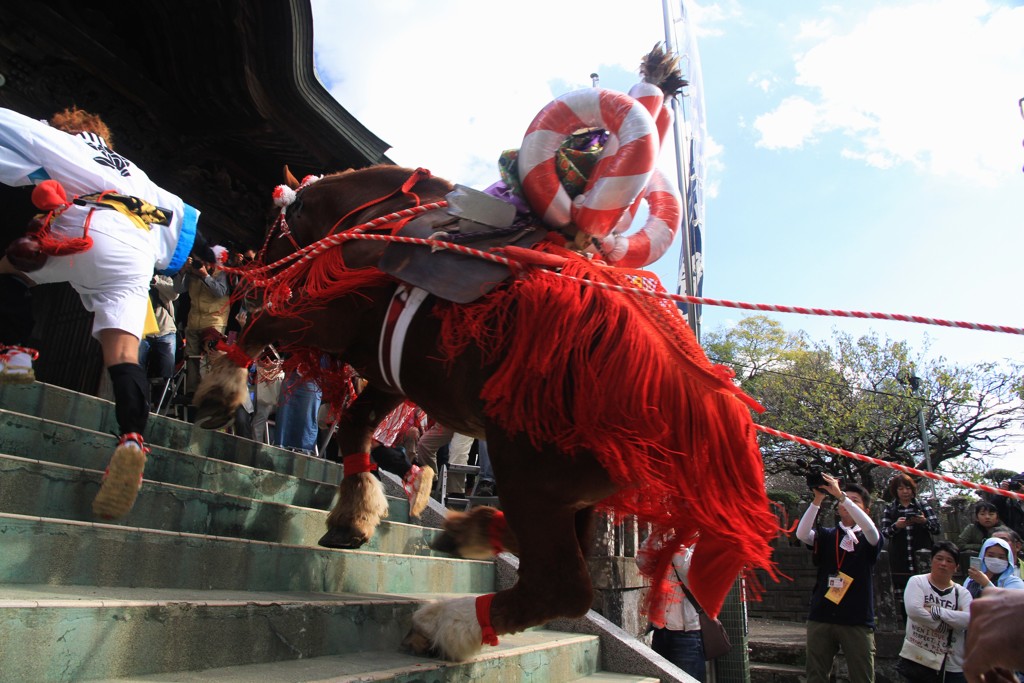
(404, 304)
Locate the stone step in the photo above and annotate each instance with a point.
(124, 634)
(62, 552)
(776, 673)
(777, 642)
(40, 489)
(37, 439)
(48, 402)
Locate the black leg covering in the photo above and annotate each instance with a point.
(131, 396)
(15, 311)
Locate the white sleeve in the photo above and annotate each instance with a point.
(805, 530)
(913, 602)
(863, 520)
(959, 618)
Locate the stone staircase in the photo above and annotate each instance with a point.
(778, 651)
(216, 576)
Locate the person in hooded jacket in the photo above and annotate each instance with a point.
(996, 569)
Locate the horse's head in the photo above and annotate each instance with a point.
(290, 282)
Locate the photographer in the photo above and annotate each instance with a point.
(1011, 510)
(910, 525)
(842, 611)
(209, 293)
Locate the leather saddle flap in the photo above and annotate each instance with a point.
(446, 274)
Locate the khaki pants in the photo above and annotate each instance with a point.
(825, 640)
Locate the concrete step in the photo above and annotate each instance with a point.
(37, 439)
(56, 404)
(40, 489)
(62, 552)
(776, 673)
(777, 642)
(125, 634)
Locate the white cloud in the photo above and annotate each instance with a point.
(932, 84)
(794, 122)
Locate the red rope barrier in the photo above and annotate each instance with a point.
(890, 465)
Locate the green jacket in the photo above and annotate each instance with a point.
(971, 538)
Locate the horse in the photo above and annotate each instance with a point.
(588, 399)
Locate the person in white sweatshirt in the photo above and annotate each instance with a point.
(938, 611)
(842, 611)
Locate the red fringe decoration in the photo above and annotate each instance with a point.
(333, 376)
(623, 377)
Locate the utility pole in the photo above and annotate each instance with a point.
(915, 385)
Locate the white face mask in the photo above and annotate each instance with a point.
(996, 565)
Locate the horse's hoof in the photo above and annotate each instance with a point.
(418, 644)
(213, 415)
(341, 538)
(445, 543)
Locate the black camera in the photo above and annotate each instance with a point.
(813, 474)
(1016, 482)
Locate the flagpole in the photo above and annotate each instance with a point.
(682, 162)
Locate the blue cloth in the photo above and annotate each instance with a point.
(162, 351)
(296, 426)
(683, 648)
(484, 460)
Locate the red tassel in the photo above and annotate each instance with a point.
(49, 195)
(665, 424)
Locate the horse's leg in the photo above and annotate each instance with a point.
(361, 501)
(222, 390)
(479, 534)
(542, 494)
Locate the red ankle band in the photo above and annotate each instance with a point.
(358, 463)
(483, 616)
(235, 354)
(495, 531)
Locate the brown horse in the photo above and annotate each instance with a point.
(582, 396)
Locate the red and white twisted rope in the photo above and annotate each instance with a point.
(891, 465)
(798, 309)
(334, 240)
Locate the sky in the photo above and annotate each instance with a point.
(860, 156)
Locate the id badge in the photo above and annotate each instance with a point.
(838, 584)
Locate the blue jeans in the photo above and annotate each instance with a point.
(296, 414)
(158, 352)
(682, 648)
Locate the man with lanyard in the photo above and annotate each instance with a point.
(843, 601)
(107, 227)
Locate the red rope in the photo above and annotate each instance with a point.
(356, 234)
(891, 465)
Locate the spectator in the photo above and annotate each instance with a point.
(458, 454)
(985, 519)
(909, 525)
(486, 485)
(996, 569)
(106, 244)
(267, 392)
(1016, 544)
(296, 425)
(209, 297)
(937, 616)
(1011, 510)
(679, 641)
(994, 643)
(157, 350)
(842, 611)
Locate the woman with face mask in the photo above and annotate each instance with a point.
(996, 569)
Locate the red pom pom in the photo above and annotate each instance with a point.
(25, 255)
(49, 195)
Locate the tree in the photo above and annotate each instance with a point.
(858, 394)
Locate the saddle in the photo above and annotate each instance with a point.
(447, 274)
